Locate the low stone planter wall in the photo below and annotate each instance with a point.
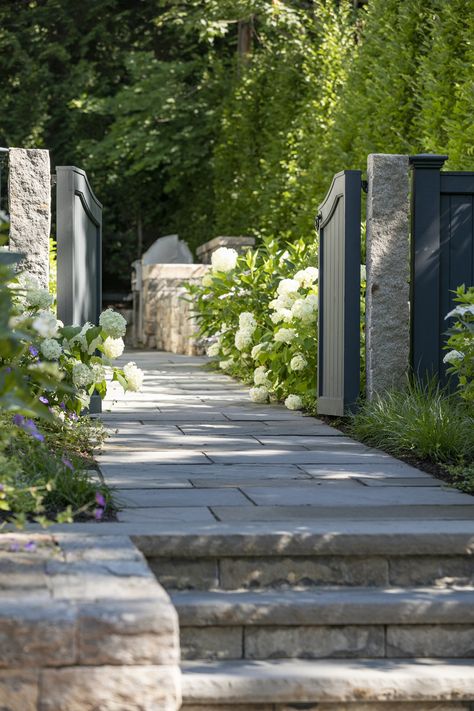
(84, 625)
(168, 324)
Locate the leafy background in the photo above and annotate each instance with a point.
(208, 117)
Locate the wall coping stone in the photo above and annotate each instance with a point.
(240, 243)
(79, 608)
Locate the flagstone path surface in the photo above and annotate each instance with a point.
(192, 448)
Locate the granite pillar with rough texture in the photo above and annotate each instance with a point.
(388, 270)
(30, 209)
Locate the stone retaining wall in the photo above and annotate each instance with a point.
(84, 626)
(168, 324)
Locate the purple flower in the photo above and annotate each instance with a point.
(98, 513)
(8, 370)
(62, 405)
(34, 351)
(18, 420)
(44, 400)
(100, 499)
(14, 547)
(30, 546)
(30, 427)
(67, 463)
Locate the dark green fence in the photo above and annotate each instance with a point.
(442, 255)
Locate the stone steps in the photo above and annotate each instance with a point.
(326, 623)
(372, 616)
(329, 685)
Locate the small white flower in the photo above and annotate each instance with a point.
(247, 321)
(278, 316)
(294, 402)
(257, 349)
(260, 376)
(303, 310)
(307, 277)
(113, 347)
(98, 372)
(453, 357)
(298, 362)
(207, 280)
(226, 364)
(224, 259)
(113, 324)
(213, 350)
(134, 376)
(51, 349)
(243, 339)
(285, 335)
(46, 324)
(288, 286)
(82, 375)
(259, 394)
(313, 301)
(363, 272)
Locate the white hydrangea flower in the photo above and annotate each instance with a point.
(113, 347)
(283, 301)
(82, 375)
(247, 321)
(303, 310)
(298, 362)
(98, 372)
(213, 350)
(207, 280)
(224, 259)
(285, 335)
(453, 357)
(287, 286)
(363, 272)
(257, 349)
(259, 394)
(277, 316)
(113, 324)
(46, 324)
(307, 277)
(243, 339)
(260, 376)
(134, 376)
(39, 298)
(51, 349)
(226, 364)
(461, 311)
(84, 398)
(313, 301)
(294, 402)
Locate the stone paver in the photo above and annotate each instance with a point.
(193, 449)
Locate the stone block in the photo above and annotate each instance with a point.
(388, 270)
(441, 571)
(254, 573)
(19, 689)
(128, 632)
(455, 641)
(29, 196)
(211, 642)
(283, 642)
(185, 574)
(241, 244)
(110, 688)
(34, 635)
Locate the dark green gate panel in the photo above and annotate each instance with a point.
(442, 256)
(79, 248)
(339, 295)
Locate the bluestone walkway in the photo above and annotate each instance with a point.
(192, 448)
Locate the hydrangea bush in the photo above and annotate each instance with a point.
(258, 313)
(47, 374)
(460, 345)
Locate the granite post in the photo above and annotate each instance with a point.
(29, 194)
(388, 272)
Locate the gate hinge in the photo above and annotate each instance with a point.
(364, 185)
(317, 221)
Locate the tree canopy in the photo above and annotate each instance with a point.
(208, 117)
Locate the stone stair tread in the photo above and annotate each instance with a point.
(352, 606)
(327, 680)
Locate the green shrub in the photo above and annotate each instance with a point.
(460, 344)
